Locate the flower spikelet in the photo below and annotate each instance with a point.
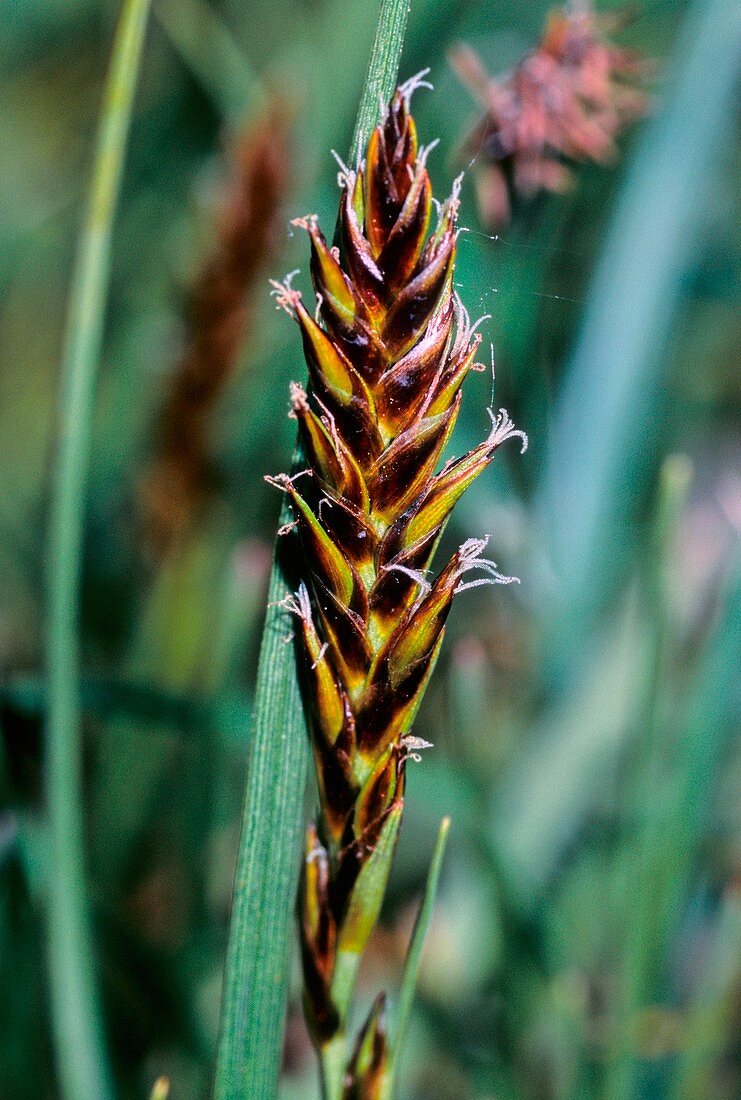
(388, 347)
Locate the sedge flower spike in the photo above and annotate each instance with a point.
(388, 346)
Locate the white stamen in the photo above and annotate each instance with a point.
(409, 741)
(282, 481)
(286, 298)
(323, 501)
(456, 190)
(307, 221)
(477, 323)
(470, 558)
(299, 398)
(297, 603)
(496, 579)
(344, 174)
(503, 427)
(409, 87)
(424, 152)
(415, 574)
(345, 177)
(463, 325)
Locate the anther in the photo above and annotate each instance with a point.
(409, 87)
(416, 575)
(320, 655)
(502, 428)
(298, 396)
(286, 298)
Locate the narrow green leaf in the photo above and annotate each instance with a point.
(382, 72)
(267, 869)
(76, 1020)
(414, 955)
(249, 1049)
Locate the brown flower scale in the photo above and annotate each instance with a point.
(387, 352)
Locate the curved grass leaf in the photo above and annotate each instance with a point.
(76, 1021)
(267, 868)
(414, 954)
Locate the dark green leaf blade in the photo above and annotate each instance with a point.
(267, 870)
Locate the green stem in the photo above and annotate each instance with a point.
(333, 1062)
(76, 1019)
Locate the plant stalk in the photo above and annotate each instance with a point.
(76, 1016)
(333, 1061)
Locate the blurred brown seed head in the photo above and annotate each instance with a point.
(218, 315)
(565, 103)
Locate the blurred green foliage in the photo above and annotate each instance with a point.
(586, 937)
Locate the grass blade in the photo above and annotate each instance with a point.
(267, 868)
(640, 954)
(414, 955)
(249, 1051)
(77, 1028)
(383, 69)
